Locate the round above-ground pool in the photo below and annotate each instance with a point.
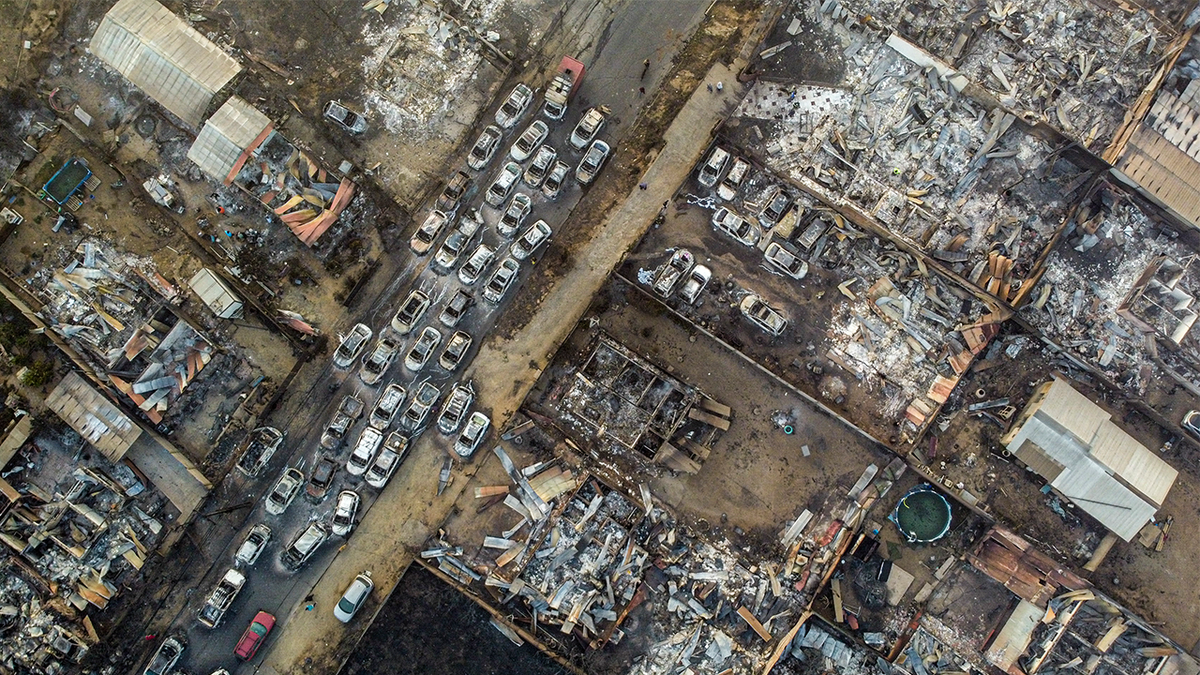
(922, 515)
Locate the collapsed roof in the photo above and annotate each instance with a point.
(165, 57)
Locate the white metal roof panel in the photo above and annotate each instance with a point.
(1073, 411)
(219, 298)
(165, 57)
(1137, 466)
(93, 416)
(227, 135)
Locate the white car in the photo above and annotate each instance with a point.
(377, 362)
(354, 597)
(515, 215)
(448, 253)
(776, 204)
(285, 490)
(364, 451)
(540, 166)
(456, 349)
(393, 452)
(344, 512)
(555, 179)
(484, 148)
(261, 445)
(422, 240)
(534, 237)
(471, 270)
(673, 271)
(785, 261)
(352, 345)
(530, 140)
(503, 185)
(593, 160)
(410, 313)
(589, 125)
(729, 187)
(514, 106)
(165, 657)
(454, 410)
(303, 546)
(695, 284)
(423, 348)
(470, 223)
(472, 434)
(253, 546)
(419, 406)
(497, 285)
(387, 405)
(710, 171)
(456, 309)
(736, 226)
(763, 315)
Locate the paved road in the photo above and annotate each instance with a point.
(638, 31)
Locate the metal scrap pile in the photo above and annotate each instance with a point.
(816, 648)
(969, 187)
(39, 637)
(1088, 633)
(909, 332)
(1077, 67)
(79, 538)
(926, 655)
(421, 66)
(116, 309)
(1092, 289)
(68, 548)
(298, 190)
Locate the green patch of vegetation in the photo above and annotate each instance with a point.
(38, 374)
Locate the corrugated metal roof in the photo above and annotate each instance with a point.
(1085, 481)
(1071, 410)
(1163, 169)
(227, 139)
(165, 57)
(219, 298)
(1139, 468)
(93, 416)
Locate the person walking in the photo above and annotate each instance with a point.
(641, 91)
(720, 86)
(645, 68)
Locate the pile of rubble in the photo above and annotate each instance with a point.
(1077, 68)
(581, 556)
(76, 528)
(1084, 631)
(626, 406)
(420, 65)
(904, 329)
(119, 314)
(968, 186)
(1117, 290)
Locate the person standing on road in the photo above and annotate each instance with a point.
(645, 68)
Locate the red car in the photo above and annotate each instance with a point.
(254, 636)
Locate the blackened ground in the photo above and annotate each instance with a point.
(429, 627)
